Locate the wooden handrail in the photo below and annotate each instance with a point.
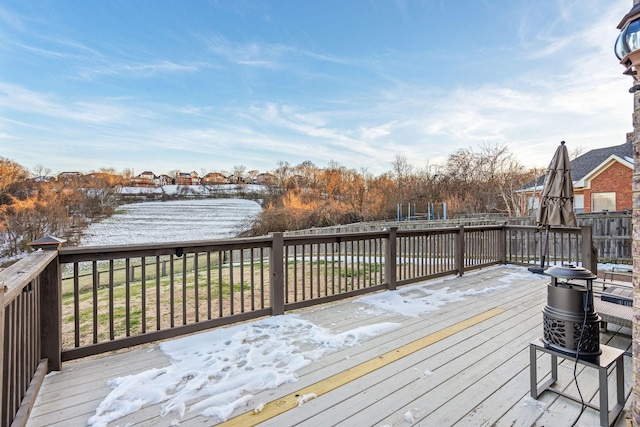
(256, 276)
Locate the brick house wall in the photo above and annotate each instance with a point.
(616, 178)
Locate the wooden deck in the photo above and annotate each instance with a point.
(478, 375)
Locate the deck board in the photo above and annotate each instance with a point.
(475, 377)
(463, 364)
(85, 382)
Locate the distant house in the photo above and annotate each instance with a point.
(602, 181)
(164, 179)
(145, 179)
(235, 179)
(265, 179)
(147, 175)
(183, 178)
(69, 177)
(214, 178)
(195, 179)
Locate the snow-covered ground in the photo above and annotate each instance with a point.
(179, 220)
(221, 370)
(200, 190)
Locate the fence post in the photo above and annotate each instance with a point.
(390, 258)
(276, 267)
(589, 257)
(50, 305)
(459, 261)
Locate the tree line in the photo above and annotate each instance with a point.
(471, 181)
(32, 205)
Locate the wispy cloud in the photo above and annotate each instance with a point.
(138, 69)
(574, 28)
(375, 132)
(252, 54)
(262, 54)
(11, 19)
(15, 97)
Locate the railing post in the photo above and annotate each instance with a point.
(390, 258)
(503, 244)
(589, 258)
(276, 267)
(50, 306)
(459, 261)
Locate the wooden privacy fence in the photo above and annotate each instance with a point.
(612, 235)
(68, 303)
(612, 231)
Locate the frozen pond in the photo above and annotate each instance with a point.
(179, 220)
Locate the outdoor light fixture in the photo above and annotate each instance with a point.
(570, 322)
(627, 47)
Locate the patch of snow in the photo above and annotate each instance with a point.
(221, 370)
(415, 300)
(609, 267)
(530, 401)
(523, 274)
(408, 417)
(307, 397)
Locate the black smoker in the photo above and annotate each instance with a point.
(569, 307)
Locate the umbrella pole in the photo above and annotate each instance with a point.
(545, 243)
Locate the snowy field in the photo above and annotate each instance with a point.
(180, 220)
(196, 190)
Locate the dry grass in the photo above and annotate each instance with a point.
(117, 311)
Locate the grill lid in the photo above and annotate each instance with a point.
(569, 272)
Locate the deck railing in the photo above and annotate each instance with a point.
(74, 302)
(28, 330)
(564, 245)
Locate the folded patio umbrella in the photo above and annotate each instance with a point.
(556, 203)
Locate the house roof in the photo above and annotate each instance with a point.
(583, 165)
(584, 182)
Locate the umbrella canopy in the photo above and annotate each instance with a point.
(556, 204)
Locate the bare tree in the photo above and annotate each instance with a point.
(487, 180)
(238, 172)
(576, 152)
(127, 174)
(402, 172)
(174, 173)
(39, 171)
(253, 174)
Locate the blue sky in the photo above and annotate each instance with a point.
(209, 85)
